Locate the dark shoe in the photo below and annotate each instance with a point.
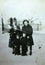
(24, 54)
(30, 53)
(13, 52)
(17, 53)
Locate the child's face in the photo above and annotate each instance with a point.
(25, 23)
(24, 34)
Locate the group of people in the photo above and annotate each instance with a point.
(20, 39)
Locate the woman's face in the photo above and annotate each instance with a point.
(25, 23)
(14, 22)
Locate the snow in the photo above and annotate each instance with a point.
(37, 58)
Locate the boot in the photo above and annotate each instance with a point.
(30, 52)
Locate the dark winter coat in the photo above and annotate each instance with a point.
(29, 31)
(12, 38)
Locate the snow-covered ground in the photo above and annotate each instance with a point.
(37, 58)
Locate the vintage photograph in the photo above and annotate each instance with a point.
(22, 32)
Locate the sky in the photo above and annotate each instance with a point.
(23, 9)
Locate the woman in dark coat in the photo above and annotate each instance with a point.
(12, 35)
(29, 31)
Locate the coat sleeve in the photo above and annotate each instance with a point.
(30, 30)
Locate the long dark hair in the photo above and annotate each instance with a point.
(11, 21)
